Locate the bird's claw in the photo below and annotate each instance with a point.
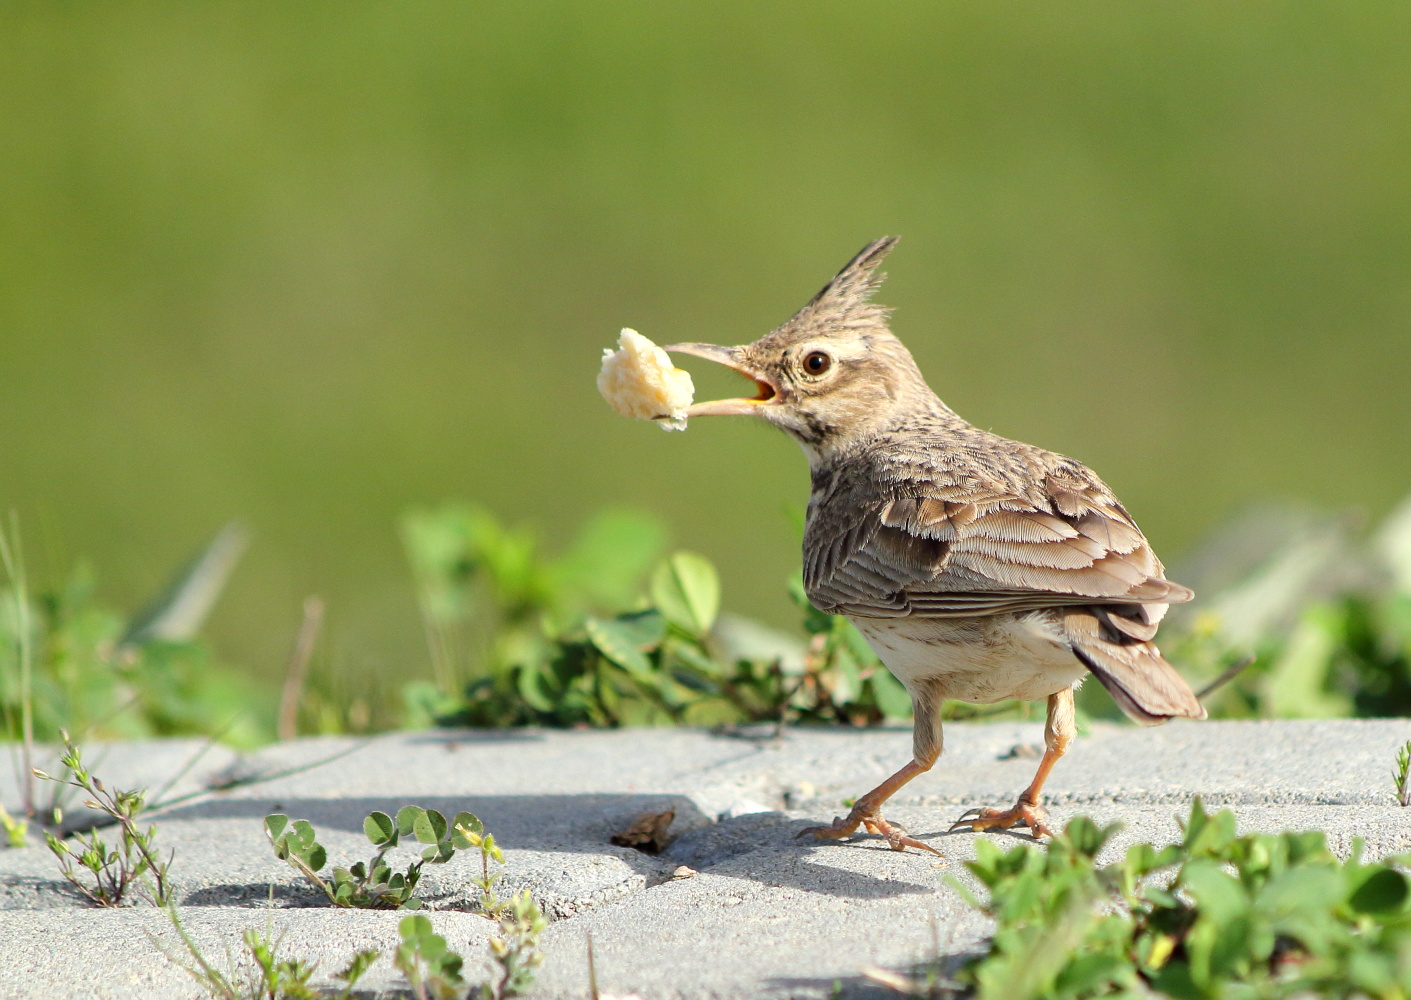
(896, 837)
(1022, 814)
(836, 830)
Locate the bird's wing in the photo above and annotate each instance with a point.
(971, 547)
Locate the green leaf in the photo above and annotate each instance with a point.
(1302, 889)
(433, 946)
(1085, 974)
(413, 929)
(1383, 891)
(610, 557)
(1219, 897)
(357, 967)
(470, 823)
(316, 857)
(647, 628)
(303, 834)
(430, 827)
(686, 590)
(275, 824)
(406, 819)
(529, 681)
(1299, 684)
(618, 645)
(1209, 835)
(439, 854)
(381, 829)
(1085, 836)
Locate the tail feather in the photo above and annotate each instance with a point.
(1143, 684)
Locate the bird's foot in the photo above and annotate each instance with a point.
(843, 827)
(1023, 813)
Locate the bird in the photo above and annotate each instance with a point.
(977, 568)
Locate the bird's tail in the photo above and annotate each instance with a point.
(1119, 651)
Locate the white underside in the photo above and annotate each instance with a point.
(981, 660)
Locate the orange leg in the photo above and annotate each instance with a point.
(1058, 733)
(926, 745)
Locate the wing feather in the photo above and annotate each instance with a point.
(961, 545)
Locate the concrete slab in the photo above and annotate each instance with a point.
(766, 915)
(123, 954)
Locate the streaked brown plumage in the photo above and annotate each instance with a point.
(977, 567)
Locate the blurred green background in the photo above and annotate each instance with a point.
(309, 264)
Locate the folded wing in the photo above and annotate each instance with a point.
(965, 549)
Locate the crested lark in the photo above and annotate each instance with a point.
(977, 568)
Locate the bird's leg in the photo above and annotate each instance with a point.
(926, 746)
(1058, 733)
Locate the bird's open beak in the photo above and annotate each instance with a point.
(765, 389)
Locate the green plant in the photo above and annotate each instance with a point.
(1216, 915)
(515, 948)
(474, 834)
(263, 974)
(16, 830)
(21, 627)
(372, 885)
(1401, 777)
(595, 639)
(111, 873)
(432, 969)
(69, 662)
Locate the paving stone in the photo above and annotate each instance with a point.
(765, 915)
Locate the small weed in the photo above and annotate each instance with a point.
(68, 661)
(1402, 775)
(111, 873)
(261, 974)
(374, 885)
(16, 830)
(474, 834)
(432, 969)
(516, 948)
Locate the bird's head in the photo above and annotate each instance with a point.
(834, 373)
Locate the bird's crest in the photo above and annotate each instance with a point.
(846, 301)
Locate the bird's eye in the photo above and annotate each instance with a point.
(817, 362)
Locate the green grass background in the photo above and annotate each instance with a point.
(309, 263)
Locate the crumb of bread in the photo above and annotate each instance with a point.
(638, 380)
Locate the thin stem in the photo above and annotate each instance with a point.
(226, 786)
(1233, 671)
(159, 873)
(592, 969)
(313, 877)
(299, 667)
(12, 554)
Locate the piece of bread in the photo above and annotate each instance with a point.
(638, 380)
